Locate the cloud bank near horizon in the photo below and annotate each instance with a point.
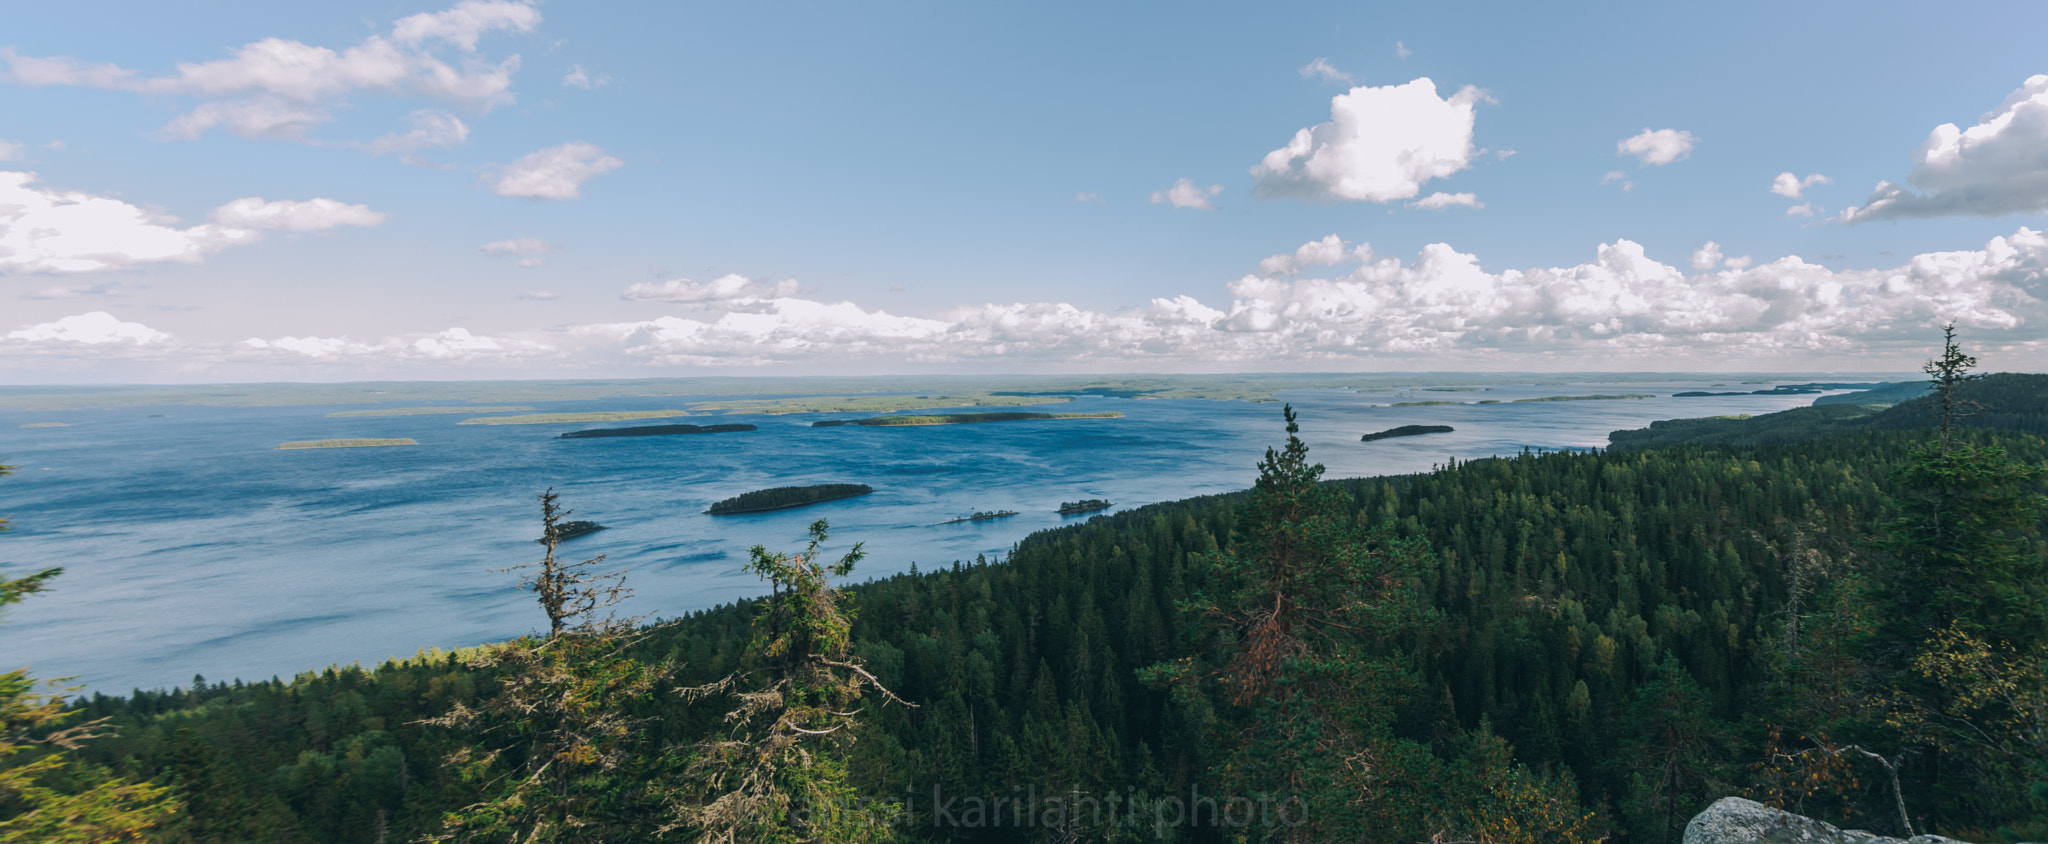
(1329, 303)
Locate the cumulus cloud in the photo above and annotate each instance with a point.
(1323, 70)
(280, 88)
(1401, 50)
(1621, 306)
(1995, 167)
(51, 231)
(92, 329)
(556, 172)
(1186, 194)
(1439, 201)
(724, 288)
(449, 345)
(1790, 186)
(1658, 148)
(1380, 145)
(1804, 209)
(312, 215)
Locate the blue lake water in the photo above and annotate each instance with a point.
(191, 545)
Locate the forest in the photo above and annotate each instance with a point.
(1554, 647)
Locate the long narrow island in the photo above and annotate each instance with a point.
(958, 419)
(1085, 505)
(1406, 431)
(654, 431)
(786, 497)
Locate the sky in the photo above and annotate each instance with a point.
(238, 191)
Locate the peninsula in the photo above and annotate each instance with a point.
(654, 431)
(1406, 431)
(786, 497)
(958, 419)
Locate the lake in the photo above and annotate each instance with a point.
(191, 545)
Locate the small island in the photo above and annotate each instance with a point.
(980, 516)
(958, 419)
(1590, 398)
(786, 497)
(1702, 394)
(654, 431)
(570, 530)
(1432, 403)
(1406, 431)
(1085, 505)
(47, 425)
(358, 443)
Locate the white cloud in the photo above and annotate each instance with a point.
(540, 296)
(1380, 145)
(61, 291)
(1707, 257)
(1322, 69)
(1804, 209)
(279, 88)
(1627, 184)
(555, 172)
(1330, 250)
(782, 329)
(724, 288)
(1186, 194)
(456, 345)
(92, 329)
(49, 231)
(430, 128)
(1439, 201)
(577, 77)
(1088, 196)
(1995, 167)
(469, 20)
(10, 150)
(1659, 147)
(1790, 186)
(1401, 50)
(312, 215)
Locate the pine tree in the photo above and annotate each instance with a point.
(561, 752)
(776, 771)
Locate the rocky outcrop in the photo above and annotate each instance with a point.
(1733, 820)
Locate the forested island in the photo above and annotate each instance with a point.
(564, 531)
(958, 419)
(981, 516)
(655, 431)
(1406, 431)
(592, 416)
(370, 442)
(1589, 398)
(1558, 648)
(1085, 505)
(786, 497)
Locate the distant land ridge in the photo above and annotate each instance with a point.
(654, 431)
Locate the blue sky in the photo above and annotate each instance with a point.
(497, 189)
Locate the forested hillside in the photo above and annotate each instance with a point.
(2005, 401)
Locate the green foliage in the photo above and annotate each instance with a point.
(785, 497)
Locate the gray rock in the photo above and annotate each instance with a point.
(1733, 820)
